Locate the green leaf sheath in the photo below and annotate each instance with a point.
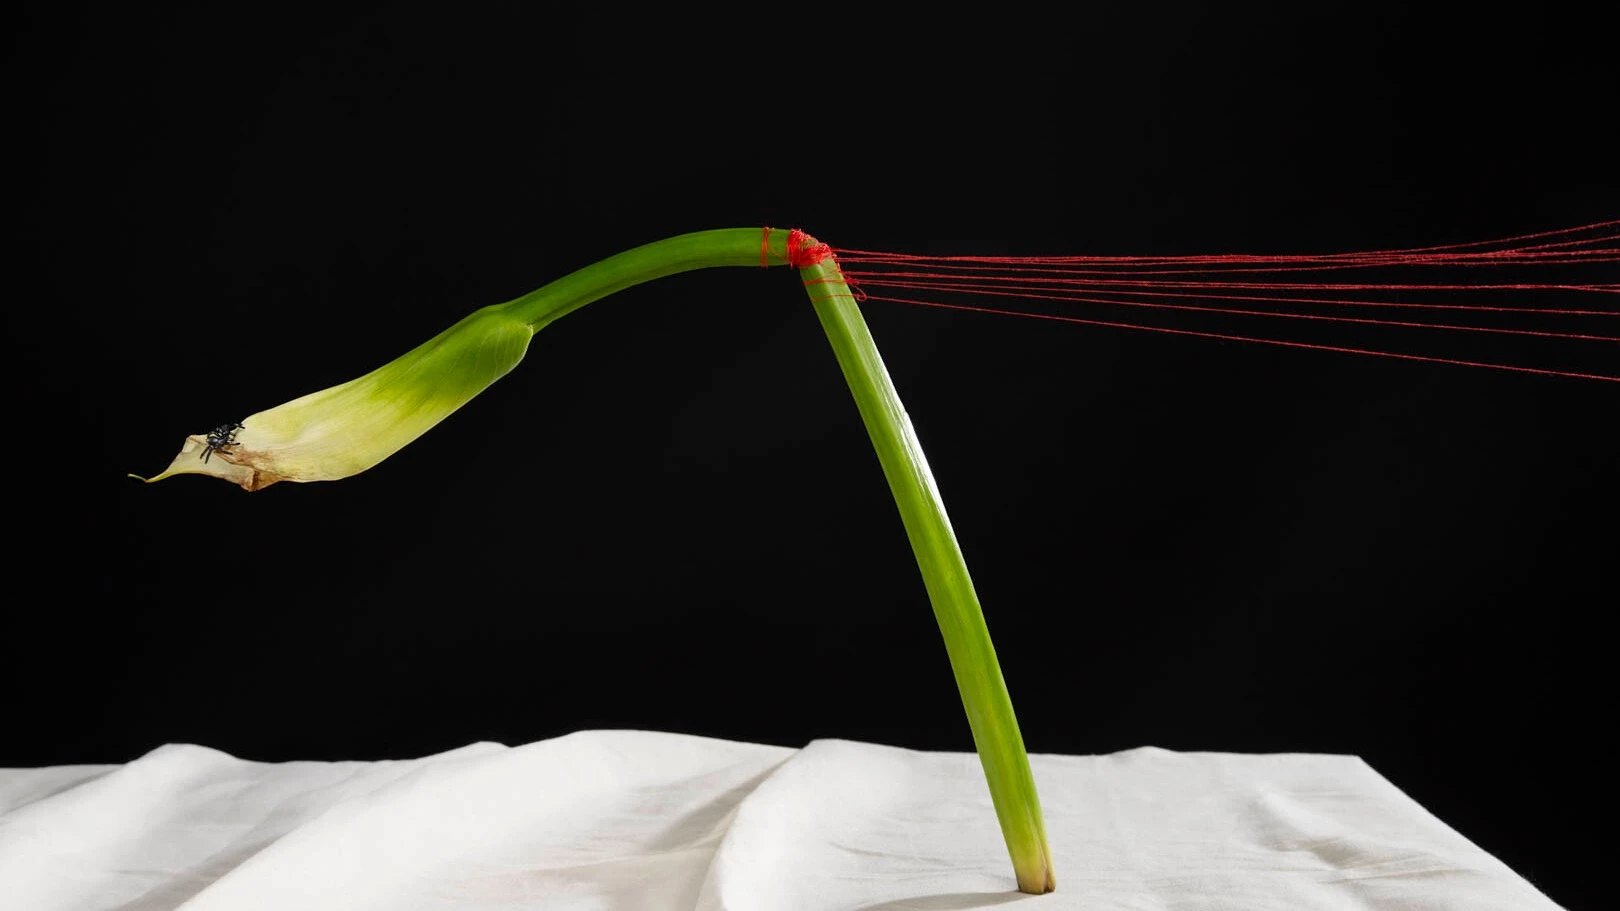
(956, 605)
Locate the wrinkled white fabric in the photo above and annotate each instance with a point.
(649, 821)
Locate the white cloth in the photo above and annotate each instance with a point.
(649, 821)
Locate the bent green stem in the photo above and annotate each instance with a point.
(944, 570)
(945, 575)
(683, 253)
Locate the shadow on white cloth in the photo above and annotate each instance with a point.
(652, 821)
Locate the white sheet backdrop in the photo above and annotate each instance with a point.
(650, 821)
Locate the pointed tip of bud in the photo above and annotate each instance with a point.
(219, 464)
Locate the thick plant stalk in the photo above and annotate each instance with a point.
(341, 431)
(945, 574)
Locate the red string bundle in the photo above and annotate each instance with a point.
(1543, 288)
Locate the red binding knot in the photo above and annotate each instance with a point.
(804, 250)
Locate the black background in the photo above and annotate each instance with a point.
(669, 517)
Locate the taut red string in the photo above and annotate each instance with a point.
(1528, 293)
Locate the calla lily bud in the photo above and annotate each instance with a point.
(342, 431)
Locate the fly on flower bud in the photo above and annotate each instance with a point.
(342, 431)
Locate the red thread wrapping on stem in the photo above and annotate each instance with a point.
(804, 251)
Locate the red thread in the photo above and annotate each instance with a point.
(1418, 279)
(1410, 256)
(764, 244)
(804, 251)
(855, 290)
(1233, 311)
(1262, 341)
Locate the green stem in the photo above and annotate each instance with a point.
(945, 574)
(683, 253)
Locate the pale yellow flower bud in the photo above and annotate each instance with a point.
(342, 431)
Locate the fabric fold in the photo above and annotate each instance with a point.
(652, 821)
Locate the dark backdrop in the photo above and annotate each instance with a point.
(669, 517)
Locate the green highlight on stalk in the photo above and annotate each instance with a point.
(339, 432)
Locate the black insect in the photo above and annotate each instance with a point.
(220, 439)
